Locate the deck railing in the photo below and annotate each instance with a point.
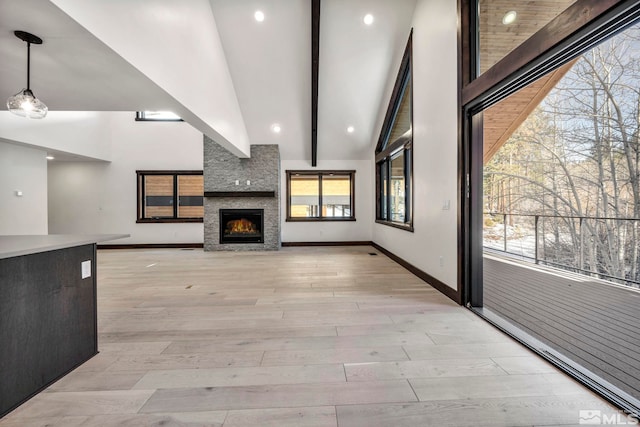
(607, 248)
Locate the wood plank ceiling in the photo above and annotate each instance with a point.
(495, 42)
(503, 119)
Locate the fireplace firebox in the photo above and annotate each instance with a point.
(241, 226)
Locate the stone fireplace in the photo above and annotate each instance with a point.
(242, 199)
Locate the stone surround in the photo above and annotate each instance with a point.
(221, 171)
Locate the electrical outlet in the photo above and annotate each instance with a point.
(441, 261)
(86, 269)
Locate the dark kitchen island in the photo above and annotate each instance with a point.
(48, 312)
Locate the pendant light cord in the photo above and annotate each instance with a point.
(28, 65)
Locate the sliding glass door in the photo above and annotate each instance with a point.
(552, 196)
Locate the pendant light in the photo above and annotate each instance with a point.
(25, 103)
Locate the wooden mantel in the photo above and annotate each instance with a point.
(239, 194)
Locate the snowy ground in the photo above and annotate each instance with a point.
(520, 241)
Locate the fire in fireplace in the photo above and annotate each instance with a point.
(241, 225)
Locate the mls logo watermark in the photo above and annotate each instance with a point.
(596, 417)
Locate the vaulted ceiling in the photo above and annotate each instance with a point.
(110, 56)
(269, 62)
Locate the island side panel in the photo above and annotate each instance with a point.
(48, 320)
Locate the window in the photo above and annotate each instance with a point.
(320, 196)
(394, 153)
(158, 192)
(157, 116)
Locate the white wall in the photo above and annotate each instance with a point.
(22, 169)
(78, 132)
(100, 197)
(435, 146)
(339, 231)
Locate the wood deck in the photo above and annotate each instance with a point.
(595, 324)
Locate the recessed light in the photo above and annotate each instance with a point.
(276, 128)
(259, 15)
(50, 157)
(351, 129)
(368, 19)
(509, 17)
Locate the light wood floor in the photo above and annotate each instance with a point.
(300, 337)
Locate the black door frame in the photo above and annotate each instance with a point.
(579, 28)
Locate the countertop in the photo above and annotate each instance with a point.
(12, 246)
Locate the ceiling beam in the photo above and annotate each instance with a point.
(315, 55)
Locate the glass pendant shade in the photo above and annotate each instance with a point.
(25, 104)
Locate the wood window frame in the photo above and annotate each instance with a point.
(574, 30)
(385, 150)
(140, 196)
(319, 174)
